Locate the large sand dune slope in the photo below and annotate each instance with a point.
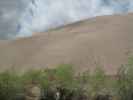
(105, 41)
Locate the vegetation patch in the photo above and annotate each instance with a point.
(62, 84)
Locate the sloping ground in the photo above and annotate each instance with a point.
(105, 41)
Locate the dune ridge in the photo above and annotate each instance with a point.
(102, 41)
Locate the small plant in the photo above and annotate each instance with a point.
(97, 81)
(64, 75)
(10, 86)
(125, 82)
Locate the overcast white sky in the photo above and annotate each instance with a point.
(10, 11)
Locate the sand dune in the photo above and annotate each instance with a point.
(105, 41)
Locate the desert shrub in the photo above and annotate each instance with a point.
(35, 76)
(64, 75)
(10, 86)
(97, 82)
(125, 82)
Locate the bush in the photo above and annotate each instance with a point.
(10, 86)
(125, 82)
(97, 82)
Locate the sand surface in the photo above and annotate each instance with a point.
(102, 41)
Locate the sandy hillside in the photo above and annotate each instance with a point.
(104, 41)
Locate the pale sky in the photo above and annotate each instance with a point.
(10, 11)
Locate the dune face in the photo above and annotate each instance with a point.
(105, 41)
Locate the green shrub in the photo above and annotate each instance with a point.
(64, 74)
(97, 81)
(10, 86)
(125, 82)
